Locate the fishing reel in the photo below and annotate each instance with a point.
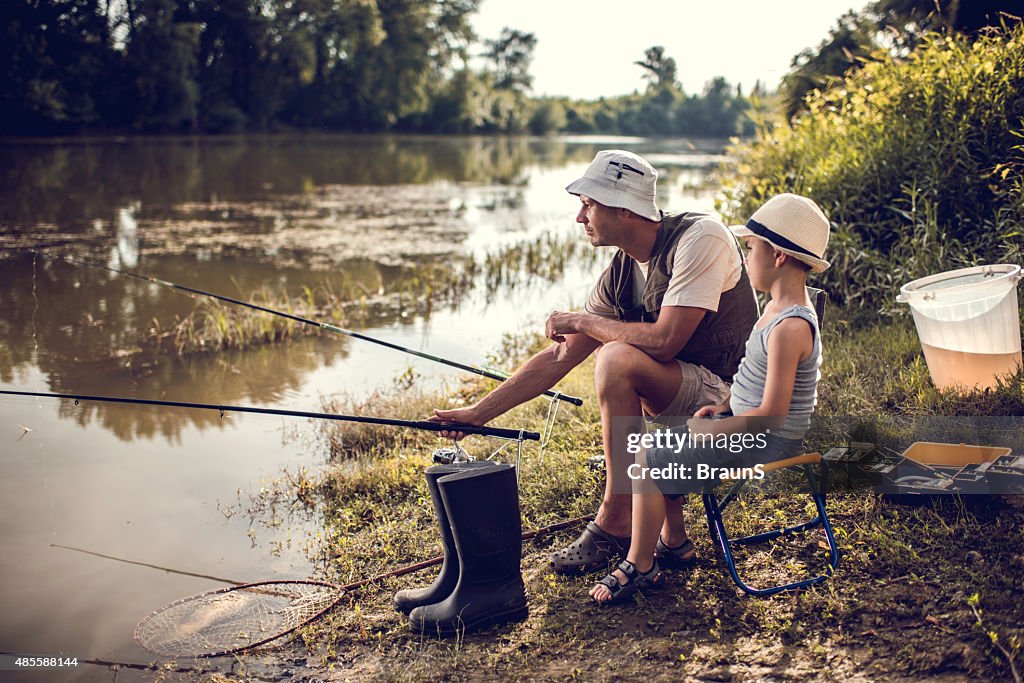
(452, 454)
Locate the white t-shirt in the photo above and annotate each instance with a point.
(706, 264)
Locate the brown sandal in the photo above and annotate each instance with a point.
(594, 549)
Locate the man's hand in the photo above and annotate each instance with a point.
(461, 415)
(559, 324)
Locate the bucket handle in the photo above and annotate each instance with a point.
(989, 271)
(902, 298)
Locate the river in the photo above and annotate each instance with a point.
(98, 497)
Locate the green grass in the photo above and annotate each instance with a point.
(901, 606)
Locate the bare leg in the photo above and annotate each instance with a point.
(648, 507)
(648, 518)
(627, 379)
(673, 531)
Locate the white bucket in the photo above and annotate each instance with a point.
(968, 323)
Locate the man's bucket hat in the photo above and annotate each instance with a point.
(622, 180)
(792, 224)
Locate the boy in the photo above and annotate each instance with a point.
(772, 398)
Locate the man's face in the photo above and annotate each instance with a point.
(600, 222)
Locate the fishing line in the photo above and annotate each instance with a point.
(170, 570)
(549, 423)
(35, 360)
(35, 310)
(519, 452)
(490, 374)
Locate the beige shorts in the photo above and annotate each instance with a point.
(698, 387)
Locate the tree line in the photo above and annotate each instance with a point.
(224, 66)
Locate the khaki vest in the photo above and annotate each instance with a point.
(719, 340)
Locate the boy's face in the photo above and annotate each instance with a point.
(760, 260)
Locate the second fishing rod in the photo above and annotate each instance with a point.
(483, 372)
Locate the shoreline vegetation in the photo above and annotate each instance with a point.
(416, 290)
(918, 162)
(923, 591)
(170, 66)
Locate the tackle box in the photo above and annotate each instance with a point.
(970, 468)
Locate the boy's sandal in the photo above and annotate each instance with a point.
(635, 580)
(594, 549)
(681, 556)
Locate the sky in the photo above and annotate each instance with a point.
(587, 48)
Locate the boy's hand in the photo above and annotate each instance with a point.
(707, 412)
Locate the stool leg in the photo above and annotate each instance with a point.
(719, 535)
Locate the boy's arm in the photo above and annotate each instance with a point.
(790, 342)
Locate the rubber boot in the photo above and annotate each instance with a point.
(483, 509)
(444, 584)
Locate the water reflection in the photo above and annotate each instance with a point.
(127, 253)
(70, 183)
(263, 375)
(370, 219)
(88, 331)
(62, 190)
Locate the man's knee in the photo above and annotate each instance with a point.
(617, 364)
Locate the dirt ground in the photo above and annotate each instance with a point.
(898, 609)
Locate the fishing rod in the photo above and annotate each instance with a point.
(484, 372)
(515, 434)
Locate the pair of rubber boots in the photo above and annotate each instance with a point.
(480, 584)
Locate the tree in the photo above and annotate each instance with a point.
(548, 117)
(852, 40)
(512, 53)
(58, 70)
(909, 20)
(659, 70)
(162, 51)
(893, 25)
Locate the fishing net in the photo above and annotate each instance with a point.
(230, 620)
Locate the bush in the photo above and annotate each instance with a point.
(548, 117)
(917, 161)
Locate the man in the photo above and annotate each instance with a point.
(670, 314)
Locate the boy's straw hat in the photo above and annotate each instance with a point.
(620, 179)
(792, 224)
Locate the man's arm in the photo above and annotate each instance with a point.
(536, 376)
(661, 340)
